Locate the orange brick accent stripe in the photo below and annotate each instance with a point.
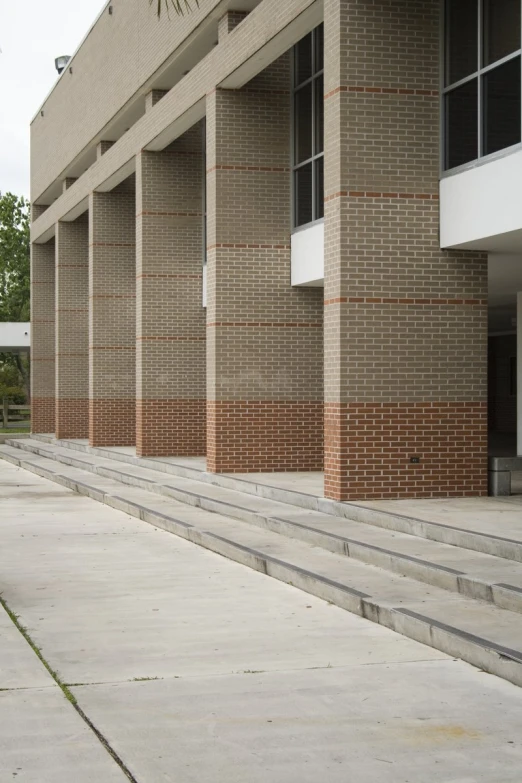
(113, 296)
(170, 428)
(172, 338)
(269, 324)
(381, 91)
(266, 169)
(264, 436)
(148, 213)
(368, 447)
(238, 246)
(156, 276)
(381, 195)
(72, 418)
(112, 244)
(392, 301)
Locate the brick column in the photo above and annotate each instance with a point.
(405, 323)
(170, 347)
(42, 338)
(112, 318)
(264, 338)
(72, 328)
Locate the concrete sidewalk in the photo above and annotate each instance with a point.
(189, 667)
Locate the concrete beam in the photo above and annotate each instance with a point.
(267, 32)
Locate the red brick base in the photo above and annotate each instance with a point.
(368, 448)
(72, 419)
(256, 437)
(42, 415)
(112, 422)
(170, 428)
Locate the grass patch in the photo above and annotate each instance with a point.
(12, 430)
(144, 679)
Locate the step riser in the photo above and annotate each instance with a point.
(351, 511)
(437, 577)
(423, 630)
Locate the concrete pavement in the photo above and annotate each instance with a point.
(194, 668)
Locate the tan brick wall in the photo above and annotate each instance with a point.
(112, 320)
(261, 28)
(405, 323)
(42, 337)
(72, 328)
(120, 54)
(264, 338)
(170, 348)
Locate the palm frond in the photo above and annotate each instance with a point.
(178, 6)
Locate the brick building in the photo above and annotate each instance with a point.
(262, 232)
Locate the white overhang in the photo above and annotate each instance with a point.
(14, 337)
(480, 207)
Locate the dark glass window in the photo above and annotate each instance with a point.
(501, 29)
(319, 188)
(308, 124)
(319, 115)
(303, 62)
(482, 93)
(319, 48)
(303, 195)
(462, 124)
(303, 123)
(501, 107)
(461, 39)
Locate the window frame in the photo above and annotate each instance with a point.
(478, 76)
(294, 167)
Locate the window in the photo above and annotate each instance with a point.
(308, 129)
(482, 85)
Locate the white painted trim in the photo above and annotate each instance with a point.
(308, 256)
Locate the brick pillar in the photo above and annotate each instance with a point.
(72, 328)
(112, 318)
(170, 346)
(405, 323)
(42, 337)
(264, 338)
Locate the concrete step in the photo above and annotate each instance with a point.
(478, 535)
(470, 573)
(482, 634)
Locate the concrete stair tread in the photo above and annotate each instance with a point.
(471, 573)
(478, 532)
(481, 633)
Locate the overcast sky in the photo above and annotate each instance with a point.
(32, 34)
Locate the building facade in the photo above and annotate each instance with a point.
(274, 234)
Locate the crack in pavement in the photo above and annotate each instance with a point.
(15, 619)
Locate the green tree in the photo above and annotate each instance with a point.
(14, 258)
(15, 273)
(178, 6)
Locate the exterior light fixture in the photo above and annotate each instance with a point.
(61, 62)
(110, 10)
